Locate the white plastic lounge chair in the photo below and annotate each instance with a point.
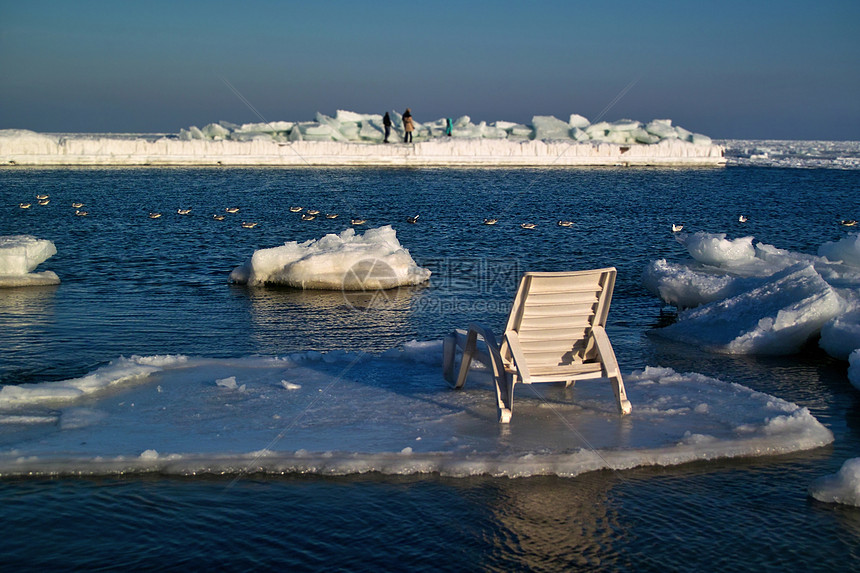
(555, 333)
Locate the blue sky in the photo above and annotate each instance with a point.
(728, 69)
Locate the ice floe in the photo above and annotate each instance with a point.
(19, 257)
(341, 413)
(841, 487)
(348, 261)
(736, 297)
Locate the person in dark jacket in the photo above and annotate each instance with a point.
(386, 123)
(408, 126)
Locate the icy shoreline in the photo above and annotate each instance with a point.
(19, 147)
(350, 138)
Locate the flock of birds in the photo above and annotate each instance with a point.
(311, 214)
(44, 200)
(676, 228)
(561, 223)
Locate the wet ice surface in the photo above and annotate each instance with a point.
(341, 413)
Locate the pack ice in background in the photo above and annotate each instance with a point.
(350, 138)
(19, 257)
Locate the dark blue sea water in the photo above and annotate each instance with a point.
(135, 285)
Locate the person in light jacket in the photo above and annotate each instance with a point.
(408, 126)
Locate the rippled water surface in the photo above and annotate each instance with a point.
(135, 285)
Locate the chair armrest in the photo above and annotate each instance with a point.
(484, 332)
(476, 328)
(513, 340)
(604, 349)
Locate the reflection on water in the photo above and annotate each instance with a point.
(549, 524)
(27, 317)
(284, 319)
(293, 523)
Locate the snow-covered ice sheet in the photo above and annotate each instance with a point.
(348, 261)
(341, 413)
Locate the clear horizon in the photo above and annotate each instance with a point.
(730, 70)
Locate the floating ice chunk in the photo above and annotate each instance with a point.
(841, 487)
(841, 336)
(230, 384)
(149, 455)
(287, 385)
(777, 317)
(715, 249)
(685, 287)
(375, 260)
(732, 271)
(20, 255)
(846, 250)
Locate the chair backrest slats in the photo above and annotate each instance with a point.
(553, 313)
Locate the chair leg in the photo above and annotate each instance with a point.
(505, 396)
(469, 350)
(449, 351)
(621, 395)
(610, 368)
